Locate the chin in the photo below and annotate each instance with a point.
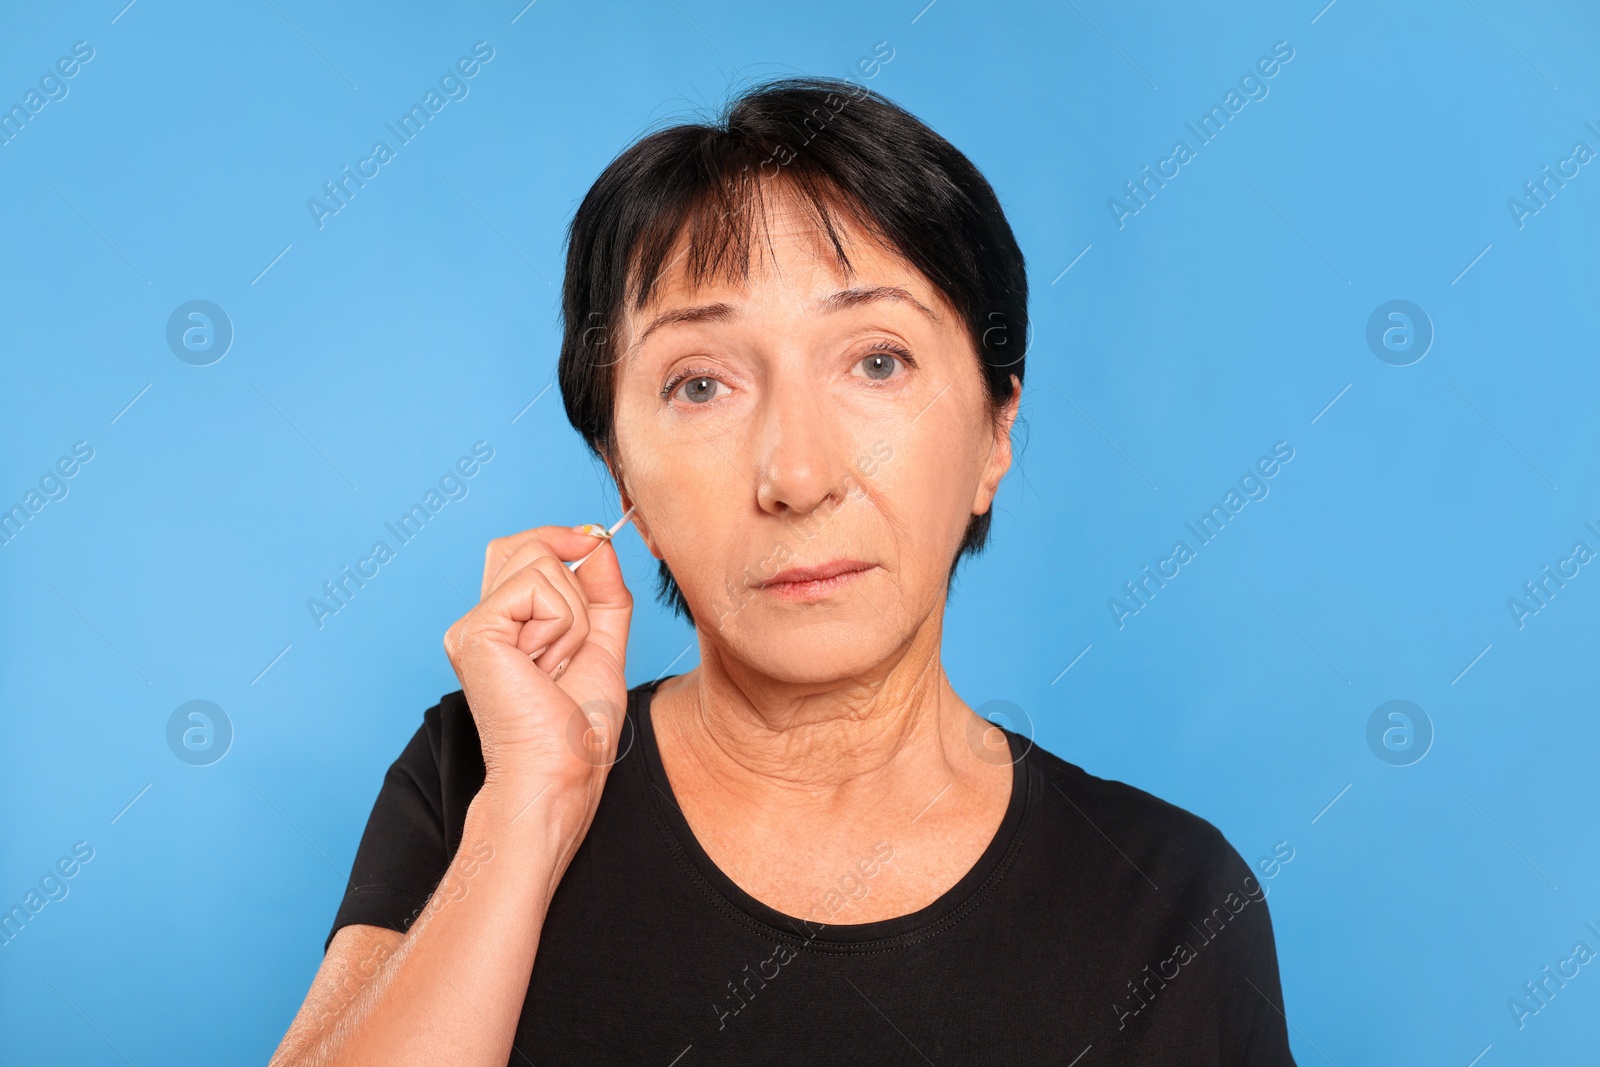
(815, 646)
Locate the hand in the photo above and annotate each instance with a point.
(540, 660)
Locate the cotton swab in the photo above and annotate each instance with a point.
(593, 528)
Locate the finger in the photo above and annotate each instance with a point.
(552, 657)
(530, 552)
(535, 552)
(527, 611)
(563, 542)
(609, 603)
(507, 555)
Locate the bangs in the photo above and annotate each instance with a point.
(720, 223)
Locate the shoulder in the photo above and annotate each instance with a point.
(450, 723)
(445, 749)
(447, 744)
(1174, 850)
(450, 720)
(1153, 891)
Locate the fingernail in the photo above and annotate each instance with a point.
(593, 530)
(538, 653)
(561, 668)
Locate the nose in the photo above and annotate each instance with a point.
(801, 452)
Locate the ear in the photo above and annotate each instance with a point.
(999, 459)
(639, 522)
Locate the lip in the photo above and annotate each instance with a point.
(814, 583)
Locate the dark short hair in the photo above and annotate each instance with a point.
(845, 151)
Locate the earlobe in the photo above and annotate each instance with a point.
(999, 461)
(640, 523)
(644, 534)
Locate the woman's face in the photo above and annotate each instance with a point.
(801, 418)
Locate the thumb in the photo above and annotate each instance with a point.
(610, 602)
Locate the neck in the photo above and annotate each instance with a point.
(879, 737)
(780, 780)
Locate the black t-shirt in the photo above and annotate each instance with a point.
(1100, 926)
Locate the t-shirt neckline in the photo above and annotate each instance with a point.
(947, 910)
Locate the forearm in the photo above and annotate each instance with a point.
(453, 989)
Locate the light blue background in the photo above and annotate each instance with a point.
(1223, 317)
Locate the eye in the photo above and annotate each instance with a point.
(695, 388)
(884, 361)
(699, 390)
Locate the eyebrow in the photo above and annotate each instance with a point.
(843, 300)
(866, 294)
(703, 313)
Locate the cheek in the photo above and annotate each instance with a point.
(687, 495)
(928, 484)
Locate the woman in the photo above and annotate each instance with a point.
(795, 338)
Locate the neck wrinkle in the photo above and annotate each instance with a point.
(753, 736)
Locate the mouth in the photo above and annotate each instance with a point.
(815, 583)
